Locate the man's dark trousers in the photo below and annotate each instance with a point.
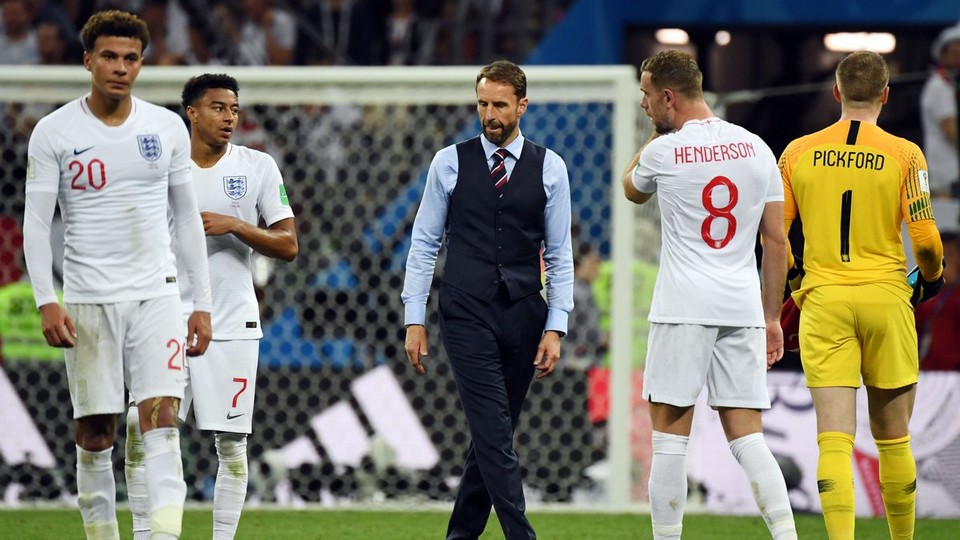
(491, 346)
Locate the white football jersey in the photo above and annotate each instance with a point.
(712, 179)
(112, 184)
(245, 184)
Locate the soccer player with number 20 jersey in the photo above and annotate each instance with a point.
(115, 164)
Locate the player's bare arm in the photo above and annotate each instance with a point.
(774, 270)
(415, 345)
(278, 241)
(629, 190)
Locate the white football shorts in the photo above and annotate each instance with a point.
(221, 385)
(140, 344)
(732, 361)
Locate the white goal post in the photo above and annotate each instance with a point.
(423, 92)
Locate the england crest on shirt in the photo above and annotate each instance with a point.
(150, 147)
(235, 186)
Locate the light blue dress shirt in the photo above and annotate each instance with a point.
(428, 228)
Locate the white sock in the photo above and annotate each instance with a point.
(97, 494)
(769, 489)
(135, 471)
(165, 486)
(231, 487)
(668, 485)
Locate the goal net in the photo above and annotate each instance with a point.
(339, 413)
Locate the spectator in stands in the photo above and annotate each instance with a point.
(52, 44)
(167, 24)
(18, 41)
(475, 29)
(403, 34)
(267, 35)
(938, 108)
(215, 39)
(341, 32)
(938, 321)
(45, 11)
(430, 16)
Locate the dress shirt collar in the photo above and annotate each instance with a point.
(514, 147)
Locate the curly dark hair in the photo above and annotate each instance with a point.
(113, 23)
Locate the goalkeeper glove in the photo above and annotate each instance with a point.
(923, 290)
(795, 274)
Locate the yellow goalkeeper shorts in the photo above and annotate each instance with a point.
(849, 331)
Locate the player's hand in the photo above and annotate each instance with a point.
(416, 346)
(217, 224)
(774, 343)
(198, 333)
(548, 354)
(58, 327)
(795, 274)
(924, 290)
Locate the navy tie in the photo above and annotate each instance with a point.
(499, 171)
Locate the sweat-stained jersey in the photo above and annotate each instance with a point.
(852, 185)
(112, 187)
(245, 184)
(713, 180)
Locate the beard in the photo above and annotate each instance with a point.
(662, 128)
(498, 138)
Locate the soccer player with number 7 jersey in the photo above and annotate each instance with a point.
(115, 164)
(853, 185)
(236, 187)
(711, 320)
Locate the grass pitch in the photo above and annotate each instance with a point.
(261, 524)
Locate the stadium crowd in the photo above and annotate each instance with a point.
(296, 32)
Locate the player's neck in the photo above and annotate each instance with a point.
(866, 116)
(205, 155)
(112, 112)
(693, 110)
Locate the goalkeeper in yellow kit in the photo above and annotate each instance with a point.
(852, 184)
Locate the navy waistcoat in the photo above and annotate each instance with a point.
(492, 238)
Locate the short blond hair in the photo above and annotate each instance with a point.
(862, 77)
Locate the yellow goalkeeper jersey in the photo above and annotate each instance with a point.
(852, 185)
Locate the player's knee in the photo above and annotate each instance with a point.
(160, 412)
(95, 433)
(232, 451)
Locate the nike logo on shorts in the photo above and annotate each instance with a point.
(232, 416)
(78, 152)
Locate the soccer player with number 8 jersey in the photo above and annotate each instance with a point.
(852, 184)
(711, 321)
(115, 164)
